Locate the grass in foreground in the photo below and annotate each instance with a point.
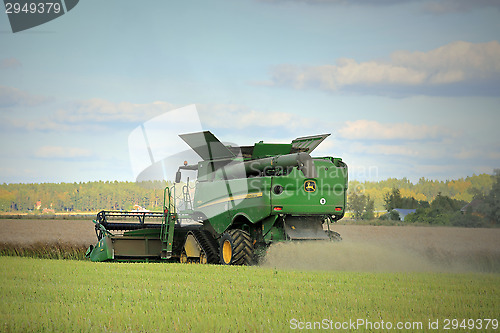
(68, 295)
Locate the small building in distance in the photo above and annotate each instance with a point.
(403, 212)
(472, 206)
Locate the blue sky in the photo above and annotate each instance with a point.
(407, 88)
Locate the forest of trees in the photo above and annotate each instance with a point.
(444, 209)
(80, 197)
(464, 189)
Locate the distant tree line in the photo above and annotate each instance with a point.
(81, 197)
(424, 190)
(484, 210)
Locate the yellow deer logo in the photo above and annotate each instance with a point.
(310, 185)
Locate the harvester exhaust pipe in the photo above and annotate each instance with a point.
(302, 161)
(306, 165)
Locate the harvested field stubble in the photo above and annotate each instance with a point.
(34, 231)
(364, 248)
(52, 239)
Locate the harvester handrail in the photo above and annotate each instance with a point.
(167, 226)
(167, 194)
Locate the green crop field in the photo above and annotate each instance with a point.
(72, 295)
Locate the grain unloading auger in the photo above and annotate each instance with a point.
(245, 198)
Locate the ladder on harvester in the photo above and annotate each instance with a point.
(186, 197)
(168, 224)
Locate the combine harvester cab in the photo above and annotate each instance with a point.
(245, 199)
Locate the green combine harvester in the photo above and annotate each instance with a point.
(245, 198)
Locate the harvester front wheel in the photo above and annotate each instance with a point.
(203, 258)
(183, 259)
(236, 248)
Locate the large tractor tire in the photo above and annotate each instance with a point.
(236, 248)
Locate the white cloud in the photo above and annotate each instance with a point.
(100, 111)
(15, 97)
(358, 148)
(374, 130)
(229, 116)
(48, 123)
(100, 114)
(466, 154)
(224, 116)
(477, 153)
(10, 63)
(494, 155)
(62, 152)
(96, 114)
(452, 170)
(455, 63)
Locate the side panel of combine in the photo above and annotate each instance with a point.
(251, 198)
(221, 200)
(212, 201)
